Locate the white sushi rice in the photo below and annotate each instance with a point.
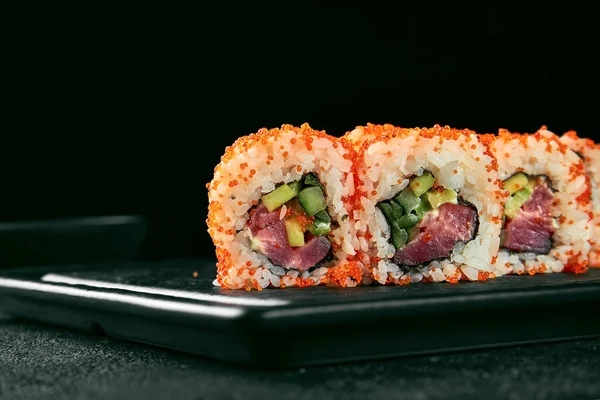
(384, 169)
(591, 156)
(543, 157)
(227, 221)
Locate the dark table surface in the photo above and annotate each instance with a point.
(39, 362)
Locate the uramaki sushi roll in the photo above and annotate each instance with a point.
(590, 153)
(546, 224)
(429, 204)
(280, 211)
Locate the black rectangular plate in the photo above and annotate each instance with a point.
(161, 303)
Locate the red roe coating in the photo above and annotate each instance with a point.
(339, 274)
(589, 150)
(304, 135)
(577, 263)
(371, 134)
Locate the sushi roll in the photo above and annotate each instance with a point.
(280, 211)
(590, 153)
(429, 204)
(546, 223)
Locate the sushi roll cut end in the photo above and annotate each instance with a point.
(280, 211)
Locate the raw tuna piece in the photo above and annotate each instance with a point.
(439, 232)
(532, 228)
(274, 244)
(261, 217)
(314, 250)
(271, 232)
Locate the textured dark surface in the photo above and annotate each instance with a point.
(163, 304)
(39, 362)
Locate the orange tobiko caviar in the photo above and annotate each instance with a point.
(389, 159)
(252, 255)
(544, 154)
(589, 152)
